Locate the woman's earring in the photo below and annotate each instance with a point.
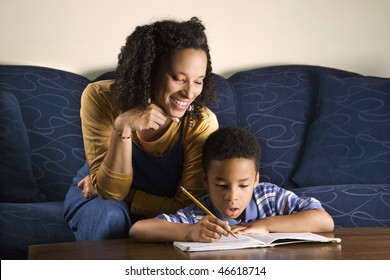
(190, 108)
(149, 100)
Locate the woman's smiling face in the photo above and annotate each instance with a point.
(179, 81)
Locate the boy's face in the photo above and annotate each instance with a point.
(231, 183)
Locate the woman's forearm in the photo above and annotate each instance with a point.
(119, 154)
(115, 174)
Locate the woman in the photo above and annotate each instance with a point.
(143, 133)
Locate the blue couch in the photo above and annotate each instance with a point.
(324, 133)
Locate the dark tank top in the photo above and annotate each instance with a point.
(158, 175)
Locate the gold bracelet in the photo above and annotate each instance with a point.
(120, 134)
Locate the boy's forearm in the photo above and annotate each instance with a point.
(315, 220)
(156, 230)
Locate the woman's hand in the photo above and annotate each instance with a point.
(87, 187)
(208, 229)
(137, 120)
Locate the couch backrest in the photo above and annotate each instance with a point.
(50, 105)
(276, 104)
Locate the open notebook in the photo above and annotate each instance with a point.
(254, 241)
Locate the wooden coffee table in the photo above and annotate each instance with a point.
(357, 243)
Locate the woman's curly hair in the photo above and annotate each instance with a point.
(141, 57)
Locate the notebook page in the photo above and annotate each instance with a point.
(290, 237)
(229, 242)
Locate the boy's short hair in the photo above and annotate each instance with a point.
(228, 143)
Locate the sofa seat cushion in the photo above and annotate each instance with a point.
(17, 182)
(353, 205)
(24, 224)
(349, 140)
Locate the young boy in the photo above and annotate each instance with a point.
(231, 159)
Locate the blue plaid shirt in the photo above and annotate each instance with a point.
(267, 200)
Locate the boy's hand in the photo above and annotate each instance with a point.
(255, 227)
(209, 229)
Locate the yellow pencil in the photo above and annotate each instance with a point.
(201, 206)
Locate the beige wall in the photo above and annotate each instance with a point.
(84, 36)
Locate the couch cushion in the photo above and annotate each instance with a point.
(349, 141)
(17, 182)
(226, 109)
(50, 105)
(274, 104)
(24, 224)
(353, 205)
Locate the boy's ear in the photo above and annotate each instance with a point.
(257, 176)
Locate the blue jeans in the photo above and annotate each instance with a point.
(96, 218)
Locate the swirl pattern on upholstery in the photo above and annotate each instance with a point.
(50, 104)
(349, 140)
(353, 205)
(23, 224)
(17, 183)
